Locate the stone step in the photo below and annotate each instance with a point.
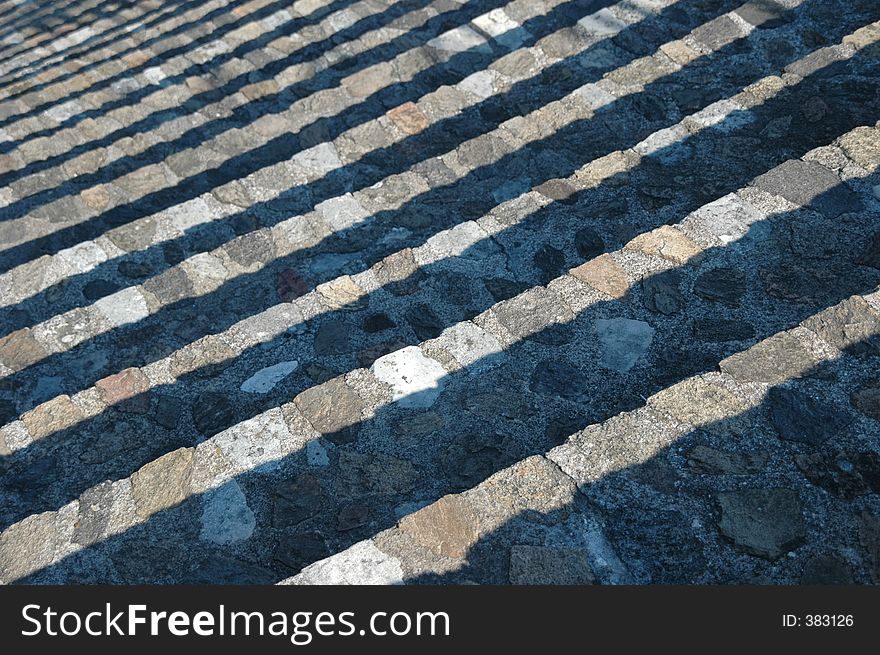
(386, 434)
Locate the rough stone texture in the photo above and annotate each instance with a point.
(50, 417)
(764, 522)
(440, 293)
(605, 275)
(162, 483)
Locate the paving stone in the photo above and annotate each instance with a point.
(763, 13)
(459, 39)
(51, 417)
(798, 416)
(602, 22)
(763, 522)
(605, 275)
(162, 483)
(534, 314)
(171, 286)
(808, 183)
(471, 346)
(212, 412)
(722, 285)
(541, 565)
(168, 411)
(408, 118)
(226, 516)
(415, 379)
(28, 546)
(264, 380)
(666, 242)
(845, 474)
(772, 361)
(19, 350)
(826, 569)
(127, 390)
(705, 460)
(717, 33)
(622, 342)
(362, 563)
(852, 326)
(702, 404)
(862, 145)
(662, 294)
(333, 409)
(557, 378)
(343, 212)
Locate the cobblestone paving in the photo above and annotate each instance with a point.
(363, 291)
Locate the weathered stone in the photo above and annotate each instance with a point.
(128, 390)
(774, 360)
(408, 118)
(763, 13)
(19, 349)
(809, 183)
(853, 326)
(212, 412)
(723, 285)
(662, 294)
(557, 378)
(764, 522)
(798, 416)
(588, 243)
(50, 417)
(603, 274)
(28, 546)
(162, 483)
(333, 337)
(448, 527)
(362, 475)
(171, 286)
(342, 293)
(844, 474)
(168, 411)
(862, 145)
(705, 460)
(537, 565)
(368, 81)
(702, 404)
(717, 33)
(826, 569)
(666, 242)
(333, 409)
(415, 379)
(361, 564)
(622, 342)
(867, 401)
(226, 516)
(264, 380)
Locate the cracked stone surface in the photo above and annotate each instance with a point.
(447, 293)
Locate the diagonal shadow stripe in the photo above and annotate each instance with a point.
(652, 527)
(493, 412)
(275, 103)
(550, 84)
(35, 15)
(31, 472)
(42, 37)
(117, 30)
(129, 99)
(46, 32)
(616, 129)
